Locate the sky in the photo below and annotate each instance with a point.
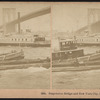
(71, 16)
(67, 16)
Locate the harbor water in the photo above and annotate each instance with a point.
(78, 79)
(39, 77)
(29, 78)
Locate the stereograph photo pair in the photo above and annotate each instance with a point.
(49, 49)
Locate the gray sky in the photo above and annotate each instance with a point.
(71, 16)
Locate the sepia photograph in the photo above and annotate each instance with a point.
(49, 49)
(76, 46)
(24, 45)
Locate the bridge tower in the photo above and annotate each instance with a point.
(9, 14)
(93, 17)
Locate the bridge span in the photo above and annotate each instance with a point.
(10, 25)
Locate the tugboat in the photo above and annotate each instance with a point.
(68, 49)
(70, 57)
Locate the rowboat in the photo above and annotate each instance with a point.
(13, 55)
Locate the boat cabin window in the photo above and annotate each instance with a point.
(35, 35)
(26, 39)
(67, 45)
(40, 39)
(68, 42)
(59, 55)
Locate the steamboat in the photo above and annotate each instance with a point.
(24, 40)
(88, 40)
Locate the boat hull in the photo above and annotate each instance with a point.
(88, 44)
(26, 44)
(80, 68)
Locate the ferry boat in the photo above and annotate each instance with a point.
(24, 40)
(88, 40)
